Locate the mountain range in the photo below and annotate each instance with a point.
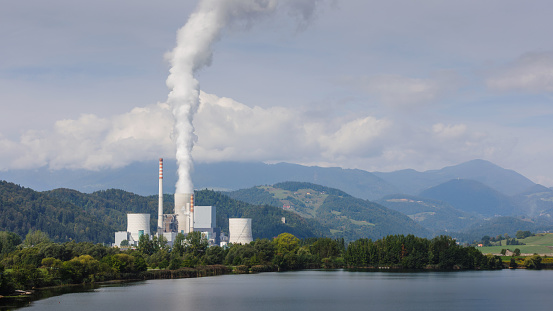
(469, 196)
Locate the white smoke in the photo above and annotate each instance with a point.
(193, 52)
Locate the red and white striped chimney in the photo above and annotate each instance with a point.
(160, 202)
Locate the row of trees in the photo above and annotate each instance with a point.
(410, 252)
(38, 262)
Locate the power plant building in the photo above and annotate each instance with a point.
(185, 219)
(205, 221)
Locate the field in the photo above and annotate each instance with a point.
(541, 243)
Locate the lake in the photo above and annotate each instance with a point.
(323, 290)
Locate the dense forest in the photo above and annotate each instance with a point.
(39, 262)
(69, 215)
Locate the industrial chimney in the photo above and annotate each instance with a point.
(160, 202)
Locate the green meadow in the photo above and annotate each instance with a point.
(541, 243)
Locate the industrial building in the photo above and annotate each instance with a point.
(185, 219)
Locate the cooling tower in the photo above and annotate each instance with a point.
(240, 230)
(184, 208)
(137, 225)
(160, 200)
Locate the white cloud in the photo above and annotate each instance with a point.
(230, 131)
(449, 131)
(91, 142)
(226, 131)
(405, 92)
(532, 72)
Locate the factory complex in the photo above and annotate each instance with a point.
(185, 219)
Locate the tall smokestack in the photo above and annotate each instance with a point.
(191, 213)
(160, 201)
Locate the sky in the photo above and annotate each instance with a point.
(373, 85)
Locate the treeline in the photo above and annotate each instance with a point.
(38, 262)
(410, 252)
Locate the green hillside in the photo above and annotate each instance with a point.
(431, 214)
(541, 243)
(23, 209)
(67, 215)
(346, 217)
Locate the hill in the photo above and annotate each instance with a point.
(472, 197)
(434, 215)
(345, 215)
(66, 214)
(23, 209)
(503, 225)
(503, 180)
(536, 201)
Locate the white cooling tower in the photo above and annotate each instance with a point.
(137, 225)
(240, 230)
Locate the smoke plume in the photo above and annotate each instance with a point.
(193, 52)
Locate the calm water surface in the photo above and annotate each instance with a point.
(323, 290)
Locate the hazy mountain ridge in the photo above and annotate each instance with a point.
(503, 180)
(473, 197)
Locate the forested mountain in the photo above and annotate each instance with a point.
(432, 214)
(23, 209)
(473, 197)
(345, 215)
(66, 214)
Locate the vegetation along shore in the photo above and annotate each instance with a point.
(38, 263)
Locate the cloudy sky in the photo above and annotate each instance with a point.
(375, 85)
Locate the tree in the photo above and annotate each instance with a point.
(35, 237)
(533, 262)
(145, 245)
(178, 245)
(8, 242)
(195, 244)
(513, 264)
(516, 252)
(523, 234)
(286, 243)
